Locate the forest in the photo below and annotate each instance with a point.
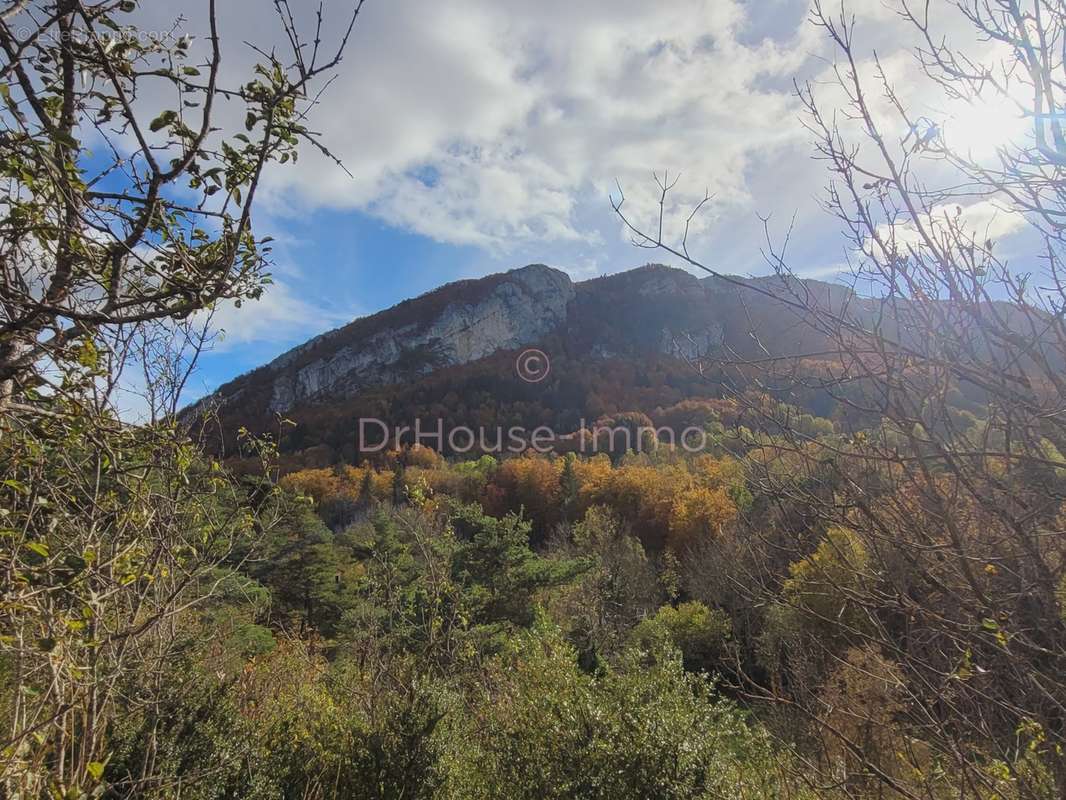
(856, 588)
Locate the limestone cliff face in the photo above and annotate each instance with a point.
(447, 340)
(453, 325)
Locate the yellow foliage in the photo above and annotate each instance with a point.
(699, 512)
(592, 474)
(822, 582)
(354, 475)
(426, 457)
(669, 504)
(531, 484)
(322, 485)
(381, 485)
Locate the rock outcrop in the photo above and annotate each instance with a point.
(640, 314)
(455, 324)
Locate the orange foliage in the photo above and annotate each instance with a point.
(322, 485)
(327, 486)
(699, 512)
(669, 504)
(529, 484)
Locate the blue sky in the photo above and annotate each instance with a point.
(334, 267)
(483, 135)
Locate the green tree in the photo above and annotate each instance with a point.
(399, 483)
(618, 590)
(366, 490)
(309, 573)
(550, 730)
(126, 217)
(699, 633)
(569, 486)
(169, 232)
(498, 571)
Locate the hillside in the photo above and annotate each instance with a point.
(622, 342)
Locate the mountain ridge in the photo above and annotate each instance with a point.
(653, 312)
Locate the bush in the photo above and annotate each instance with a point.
(699, 633)
(549, 730)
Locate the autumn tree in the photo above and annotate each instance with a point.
(126, 218)
(954, 559)
(98, 241)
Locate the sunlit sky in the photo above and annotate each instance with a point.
(483, 135)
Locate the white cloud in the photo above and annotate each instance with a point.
(827, 272)
(503, 124)
(279, 316)
(953, 224)
(989, 220)
(490, 122)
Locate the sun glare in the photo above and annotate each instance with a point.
(980, 128)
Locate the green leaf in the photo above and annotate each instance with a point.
(66, 139)
(162, 121)
(88, 356)
(40, 548)
(95, 769)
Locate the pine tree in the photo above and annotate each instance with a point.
(568, 486)
(366, 490)
(499, 571)
(399, 483)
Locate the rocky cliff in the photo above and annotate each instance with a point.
(455, 324)
(636, 316)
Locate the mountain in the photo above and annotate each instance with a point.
(456, 324)
(622, 342)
